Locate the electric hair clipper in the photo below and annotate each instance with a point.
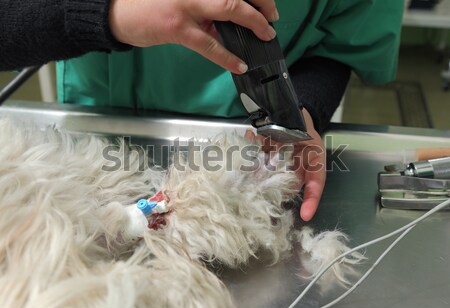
(266, 90)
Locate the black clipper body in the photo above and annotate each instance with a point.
(266, 90)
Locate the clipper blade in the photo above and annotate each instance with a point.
(282, 134)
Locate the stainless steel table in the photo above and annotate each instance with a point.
(415, 274)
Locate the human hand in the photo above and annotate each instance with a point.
(145, 23)
(309, 165)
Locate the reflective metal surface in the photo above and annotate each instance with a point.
(411, 193)
(282, 134)
(415, 274)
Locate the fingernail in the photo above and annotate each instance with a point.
(275, 15)
(271, 32)
(249, 132)
(242, 67)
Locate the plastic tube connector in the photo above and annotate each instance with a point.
(145, 206)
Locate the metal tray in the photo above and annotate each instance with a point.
(415, 274)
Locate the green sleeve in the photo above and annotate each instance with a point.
(365, 35)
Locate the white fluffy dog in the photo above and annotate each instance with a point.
(63, 220)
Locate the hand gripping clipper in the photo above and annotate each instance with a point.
(266, 90)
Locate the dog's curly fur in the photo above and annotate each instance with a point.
(62, 222)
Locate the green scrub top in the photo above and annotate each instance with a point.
(363, 34)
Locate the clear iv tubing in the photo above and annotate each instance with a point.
(405, 229)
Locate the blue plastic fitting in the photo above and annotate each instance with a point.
(145, 206)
